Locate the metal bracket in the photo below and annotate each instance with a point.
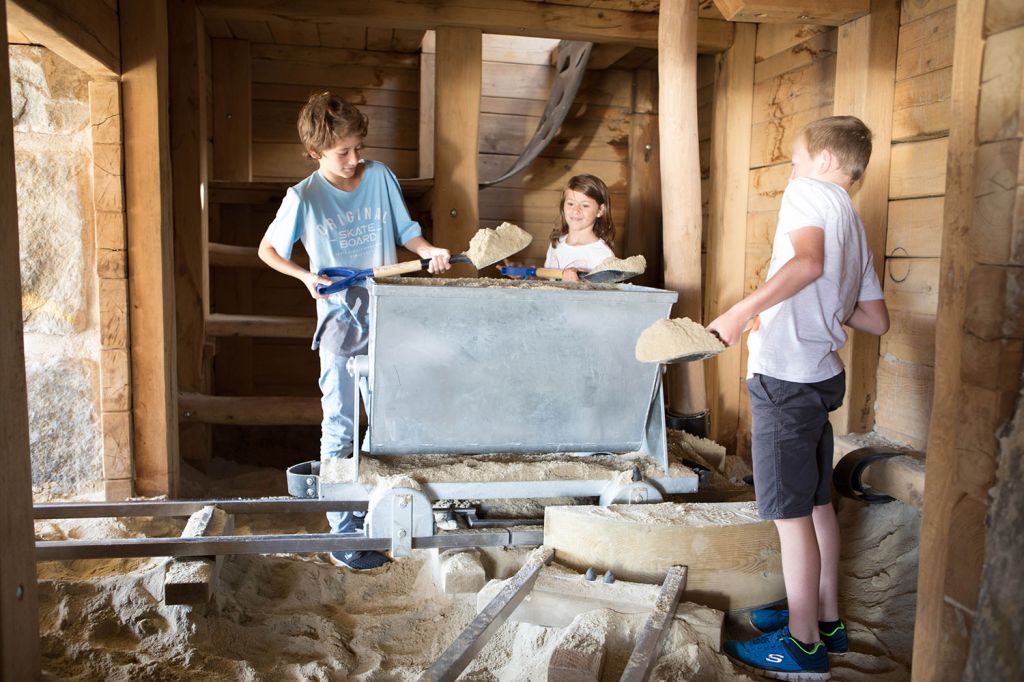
(304, 479)
(400, 514)
(633, 492)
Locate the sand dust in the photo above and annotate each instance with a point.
(490, 245)
(666, 340)
(634, 264)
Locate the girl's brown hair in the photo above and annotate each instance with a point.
(327, 118)
(593, 187)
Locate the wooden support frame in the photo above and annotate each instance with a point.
(83, 32)
(19, 618)
(147, 187)
(510, 17)
(459, 66)
(864, 87)
(727, 232)
(680, 183)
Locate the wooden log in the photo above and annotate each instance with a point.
(865, 76)
(507, 17)
(193, 580)
(727, 228)
(19, 622)
(144, 59)
(834, 13)
(83, 32)
(455, 211)
(682, 222)
(426, 115)
(939, 650)
(252, 411)
(733, 555)
(296, 327)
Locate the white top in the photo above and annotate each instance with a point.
(799, 337)
(585, 257)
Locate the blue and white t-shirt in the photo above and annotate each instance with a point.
(358, 229)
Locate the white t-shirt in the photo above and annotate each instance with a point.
(799, 337)
(584, 257)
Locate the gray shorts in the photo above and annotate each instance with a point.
(791, 443)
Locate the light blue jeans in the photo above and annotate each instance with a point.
(336, 430)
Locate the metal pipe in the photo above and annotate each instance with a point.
(264, 505)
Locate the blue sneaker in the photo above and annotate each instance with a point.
(359, 560)
(778, 656)
(770, 620)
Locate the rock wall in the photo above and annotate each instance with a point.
(53, 162)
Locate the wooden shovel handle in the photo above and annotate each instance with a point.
(549, 273)
(401, 268)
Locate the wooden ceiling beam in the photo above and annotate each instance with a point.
(510, 17)
(832, 13)
(83, 32)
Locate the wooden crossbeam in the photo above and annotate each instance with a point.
(249, 410)
(84, 32)
(832, 13)
(268, 326)
(510, 17)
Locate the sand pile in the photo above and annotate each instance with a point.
(489, 246)
(633, 264)
(666, 340)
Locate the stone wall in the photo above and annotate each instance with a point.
(53, 161)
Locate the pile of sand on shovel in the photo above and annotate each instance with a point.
(633, 264)
(489, 246)
(666, 340)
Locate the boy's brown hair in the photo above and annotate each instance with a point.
(327, 118)
(846, 137)
(593, 187)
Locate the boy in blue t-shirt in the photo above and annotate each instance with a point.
(350, 213)
(821, 278)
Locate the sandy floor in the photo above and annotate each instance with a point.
(301, 618)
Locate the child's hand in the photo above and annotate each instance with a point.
(312, 280)
(570, 275)
(728, 326)
(439, 259)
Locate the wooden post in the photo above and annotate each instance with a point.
(188, 168)
(426, 148)
(727, 232)
(680, 185)
(19, 618)
(150, 274)
(950, 552)
(459, 65)
(865, 83)
(643, 235)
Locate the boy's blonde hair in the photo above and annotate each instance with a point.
(846, 137)
(325, 119)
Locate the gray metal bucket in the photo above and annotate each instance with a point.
(482, 366)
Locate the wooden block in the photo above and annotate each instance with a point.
(774, 38)
(926, 44)
(578, 656)
(904, 401)
(105, 111)
(816, 48)
(1001, 15)
(992, 364)
(766, 187)
(461, 572)
(999, 198)
(113, 313)
(108, 191)
(915, 228)
(912, 284)
(771, 141)
(808, 87)
(110, 233)
(115, 380)
(918, 169)
(111, 264)
(921, 105)
(994, 301)
(834, 13)
(1000, 102)
(192, 580)
(117, 445)
(118, 489)
(912, 10)
(911, 337)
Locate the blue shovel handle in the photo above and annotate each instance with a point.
(519, 272)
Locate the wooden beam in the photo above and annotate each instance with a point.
(643, 233)
(455, 210)
(680, 186)
(649, 642)
(253, 411)
(426, 134)
(292, 327)
(192, 580)
(832, 13)
(940, 648)
(189, 136)
(83, 32)
(19, 616)
(727, 231)
(864, 86)
(232, 109)
(508, 17)
(150, 283)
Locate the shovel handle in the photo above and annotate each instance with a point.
(548, 273)
(402, 268)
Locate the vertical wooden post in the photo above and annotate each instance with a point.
(458, 69)
(865, 83)
(19, 618)
(150, 271)
(188, 168)
(426, 148)
(939, 646)
(643, 235)
(727, 232)
(680, 185)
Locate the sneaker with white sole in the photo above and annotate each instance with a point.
(359, 560)
(779, 656)
(770, 620)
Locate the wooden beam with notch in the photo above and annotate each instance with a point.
(832, 13)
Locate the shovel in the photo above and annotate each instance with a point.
(599, 277)
(694, 357)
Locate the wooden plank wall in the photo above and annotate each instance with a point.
(914, 240)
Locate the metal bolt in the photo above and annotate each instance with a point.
(19, 592)
(609, 577)
(188, 413)
(454, 212)
(309, 481)
(591, 574)
(402, 533)
(309, 492)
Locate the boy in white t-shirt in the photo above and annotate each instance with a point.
(583, 241)
(821, 277)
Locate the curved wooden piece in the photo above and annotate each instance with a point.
(733, 556)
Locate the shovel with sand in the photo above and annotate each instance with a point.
(676, 341)
(487, 247)
(609, 271)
